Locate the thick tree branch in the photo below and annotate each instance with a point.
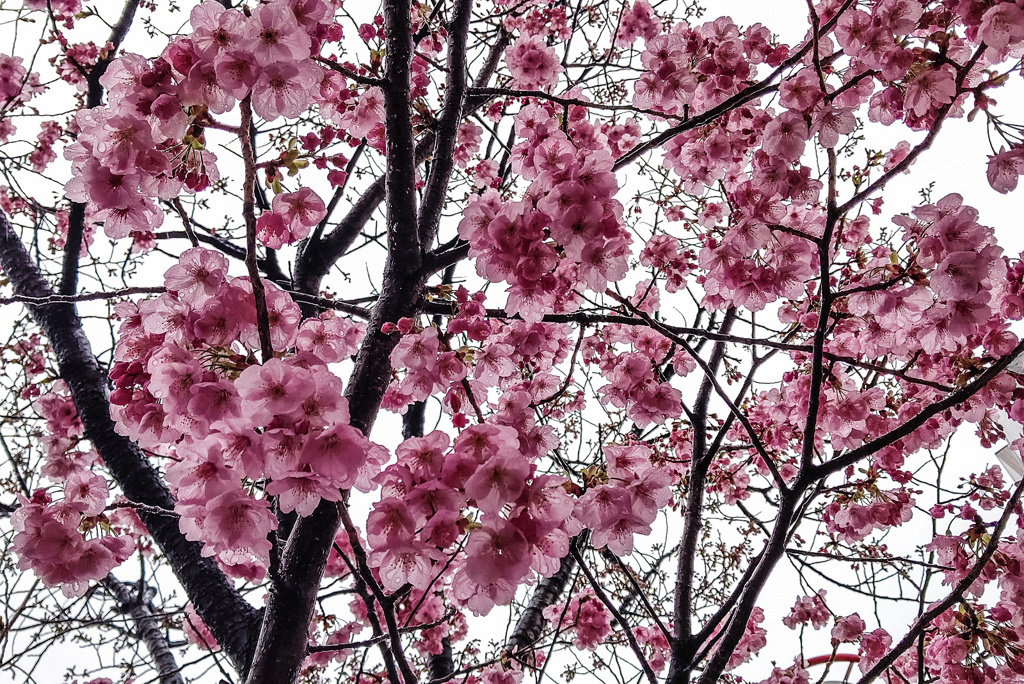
(447, 126)
(292, 601)
(93, 98)
(400, 149)
(147, 627)
(825, 299)
(231, 619)
(318, 254)
(750, 592)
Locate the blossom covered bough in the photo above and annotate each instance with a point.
(627, 278)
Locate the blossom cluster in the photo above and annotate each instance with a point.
(566, 233)
(49, 535)
(586, 615)
(185, 375)
(148, 143)
(432, 495)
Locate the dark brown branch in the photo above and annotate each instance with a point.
(711, 382)
(270, 267)
(83, 297)
(394, 648)
(825, 300)
(787, 510)
(751, 590)
(925, 619)
(400, 149)
(922, 146)
(229, 616)
(348, 73)
(292, 598)
(148, 627)
(439, 260)
(280, 651)
(93, 98)
(867, 559)
(318, 255)
(249, 215)
(436, 190)
(186, 223)
(570, 101)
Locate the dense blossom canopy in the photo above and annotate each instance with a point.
(628, 284)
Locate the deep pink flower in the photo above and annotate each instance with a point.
(532, 63)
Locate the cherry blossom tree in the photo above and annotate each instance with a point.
(662, 358)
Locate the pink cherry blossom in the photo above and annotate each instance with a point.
(1004, 168)
(273, 34)
(197, 276)
(273, 389)
(533, 64)
(848, 629)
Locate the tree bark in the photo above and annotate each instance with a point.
(147, 627)
(231, 619)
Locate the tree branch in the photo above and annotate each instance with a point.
(93, 98)
(249, 215)
(147, 626)
(231, 619)
(925, 619)
(448, 125)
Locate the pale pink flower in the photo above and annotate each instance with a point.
(237, 522)
(330, 338)
(237, 72)
(273, 389)
(86, 491)
(497, 551)
(197, 276)
(368, 112)
(273, 230)
(302, 491)
(786, 136)
(873, 646)
(284, 89)
(337, 454)
(216, 29)
(1002, 25)
(848, 629)
(1004, 168)
(303, 209)
(498, 481)
(931, 88)
(273, 35)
